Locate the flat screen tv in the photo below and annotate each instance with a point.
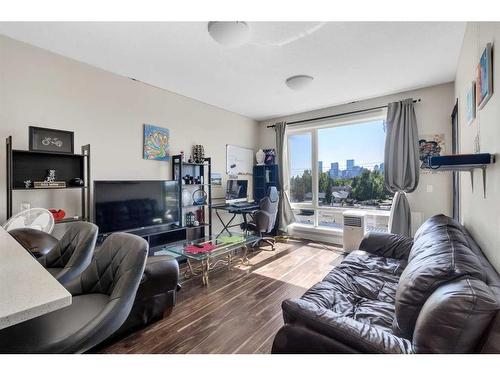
(129, 205)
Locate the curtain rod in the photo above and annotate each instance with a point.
(339, 114)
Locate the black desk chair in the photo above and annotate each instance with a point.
(64, 259)
(103, 296)
(264, 219)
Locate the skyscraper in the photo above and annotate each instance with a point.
(320, 166)
(334, 170)
(350, 164)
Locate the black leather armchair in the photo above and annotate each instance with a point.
(64, 259)
(103, 296)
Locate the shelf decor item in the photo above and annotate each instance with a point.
(198, 154)
(199, 197)
(156, 143)
(484, 78)
(260, 157)
(52, 140)
(430, 145)
(270, 156)
(186, 198)
(58, 214)
(189, 219)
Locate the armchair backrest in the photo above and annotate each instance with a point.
(265, 218)
(75, 247)
(116, 268)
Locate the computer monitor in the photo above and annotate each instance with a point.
(236, 191)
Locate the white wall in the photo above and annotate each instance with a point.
(433, 116)
(481, 216)
(107, 111)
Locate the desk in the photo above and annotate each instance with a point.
(27, 290)
(235, 211)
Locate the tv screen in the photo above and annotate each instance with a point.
(127, 205)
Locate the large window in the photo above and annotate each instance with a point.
(338, 167)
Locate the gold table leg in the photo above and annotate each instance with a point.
(205, 267)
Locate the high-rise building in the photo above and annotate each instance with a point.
(320, 166)
(334, 170)
(350, 164)
(381, 168)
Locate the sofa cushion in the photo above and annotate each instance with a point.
(440, 254)
(344, 330)
(362, 287)
(454, 318)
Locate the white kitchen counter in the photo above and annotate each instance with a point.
(27, 290)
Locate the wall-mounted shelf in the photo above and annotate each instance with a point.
(464, 163)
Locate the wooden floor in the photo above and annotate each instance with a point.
(240, 311)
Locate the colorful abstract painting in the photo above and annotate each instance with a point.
(156, 143)
(484, 77)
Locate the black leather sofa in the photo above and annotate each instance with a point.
(436, 293)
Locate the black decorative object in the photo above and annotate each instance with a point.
(189, 219)
(198, 154)
(52, 140)
(51, 175)
(270, 158)
(76, 182)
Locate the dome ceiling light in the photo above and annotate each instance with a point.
(299, 82)
(229, 33)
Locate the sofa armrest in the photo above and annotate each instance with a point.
(387, 245)
(361, 337)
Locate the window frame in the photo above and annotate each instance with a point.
(376, 115)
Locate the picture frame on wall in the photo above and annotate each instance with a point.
(471, 103)
(484, 77)
(51, 140)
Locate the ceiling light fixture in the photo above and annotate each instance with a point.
(299, 82)
(229, 33)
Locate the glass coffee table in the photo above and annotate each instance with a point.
(209, 251)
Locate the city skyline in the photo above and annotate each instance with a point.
(363, 143)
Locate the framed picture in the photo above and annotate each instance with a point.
(156, 143)
(484, 77)
(52, 140)
(471, 103)
(216, 179)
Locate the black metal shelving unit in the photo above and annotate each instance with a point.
(33, 165)
(180, 169)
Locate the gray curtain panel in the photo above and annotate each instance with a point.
(401, 162)
(285, 213)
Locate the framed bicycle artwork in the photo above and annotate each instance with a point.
(52, 140)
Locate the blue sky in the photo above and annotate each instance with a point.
(363, 142)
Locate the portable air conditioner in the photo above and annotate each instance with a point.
(354, 229)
